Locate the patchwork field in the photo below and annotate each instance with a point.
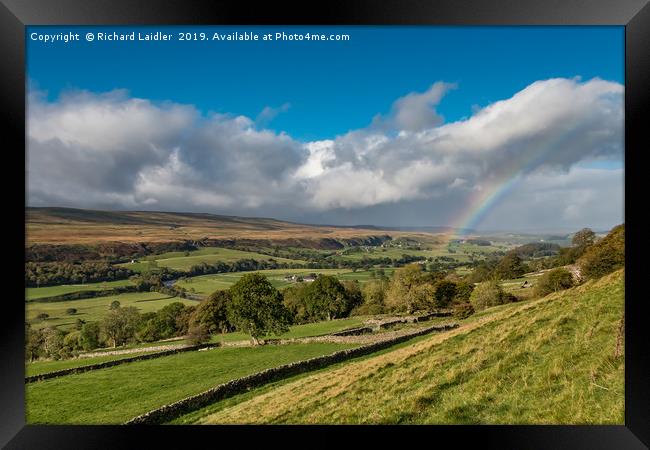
(52, 291)
(558, 350)
(206, 284)
(295, 331)
(116, 394)
(208, 255)
(94, 309)
(458, 252)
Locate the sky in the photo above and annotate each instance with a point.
(493, 128)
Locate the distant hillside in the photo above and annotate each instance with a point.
(80, 226)
(556, 360)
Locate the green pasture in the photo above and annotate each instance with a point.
(94, 309)
(52, 291)
(208, 255)
(116, 394)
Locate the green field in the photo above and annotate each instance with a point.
(115, 395)
(208, 255)
(550, 361)
(94, 309)
(39, 367)
(296, 331)
(459, 252)
(51, 291)
(207, 284)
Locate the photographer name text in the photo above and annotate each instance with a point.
(159, 36)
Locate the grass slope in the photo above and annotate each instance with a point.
(116, 394)
(546, 361)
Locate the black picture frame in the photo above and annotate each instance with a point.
(633, 14)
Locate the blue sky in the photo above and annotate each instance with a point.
(315, 91)
(331, 87)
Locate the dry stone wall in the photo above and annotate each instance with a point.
(117, 362)
(240, 385)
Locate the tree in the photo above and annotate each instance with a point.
(374, 295)
(410, 289)
(33, 343)
(72, 341)
(294, 299)
(183, 320)
(52, 342)
(256, 307)
(166, 319)
(212, 313)
(483, 271)
(554, 280)
(326, 298)
(606, 255)
(583, 238)
(89, 335)
(353, 294)
(510, 266)
(444, 293)
(198, 334)
(120, 325)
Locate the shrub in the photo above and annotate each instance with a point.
(554, 280)
(71, 311)
(463, 310)
(463, 291)
(489, 293)
(42, 316)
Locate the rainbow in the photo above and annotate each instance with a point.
(500, 183)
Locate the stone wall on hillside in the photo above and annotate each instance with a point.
(81, 369)
(240, 385)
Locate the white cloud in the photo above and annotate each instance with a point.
(111, 150)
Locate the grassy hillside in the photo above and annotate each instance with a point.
(79, 226)
(545, 361)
